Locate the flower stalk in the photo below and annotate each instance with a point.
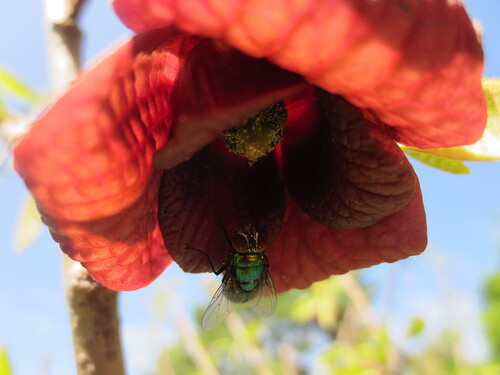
(93, 308)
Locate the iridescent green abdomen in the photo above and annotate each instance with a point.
(247, 272)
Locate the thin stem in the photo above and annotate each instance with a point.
(190, 339)
(358, 297)
(249, 348)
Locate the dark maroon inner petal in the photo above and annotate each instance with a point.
(216, 77)
(343, 170)
(217, 188)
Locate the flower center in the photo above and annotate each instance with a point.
(258, 135)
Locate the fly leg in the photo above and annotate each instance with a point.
(226, 238)
(217, 272)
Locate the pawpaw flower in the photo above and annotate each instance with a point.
(283, 114)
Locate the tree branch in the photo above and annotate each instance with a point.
(64, 40)
(94, 322)
(92, 307)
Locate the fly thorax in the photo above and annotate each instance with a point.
(246, 260)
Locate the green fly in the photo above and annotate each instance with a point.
(246, 279)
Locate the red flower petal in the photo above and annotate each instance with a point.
(307, 251)
(415, 64)
(124, 251)
(88, 160)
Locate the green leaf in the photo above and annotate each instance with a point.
(443, 164)
(29, 226)
(488, 147)
(3, 110)
(4, 363)
(416, 327)
(16, 87)
(489, 369)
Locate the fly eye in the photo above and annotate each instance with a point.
(239, 243)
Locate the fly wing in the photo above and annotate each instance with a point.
(219, 307)
(263, 302)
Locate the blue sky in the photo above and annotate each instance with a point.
(443, 285)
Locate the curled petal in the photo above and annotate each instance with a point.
(307, 251)
(88, 159)
(415, 64)
(213, 193)
(342, 169)
(90, 154)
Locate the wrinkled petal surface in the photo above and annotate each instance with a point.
(307, 251)
(342, 169)
(124, 251)
(90, 154)
(415, 64)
